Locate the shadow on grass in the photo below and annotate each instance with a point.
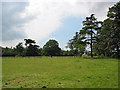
(98, 57)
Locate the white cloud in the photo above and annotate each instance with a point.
(50, 13)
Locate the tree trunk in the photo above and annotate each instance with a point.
(91, 43)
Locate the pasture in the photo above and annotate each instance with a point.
(59, 72)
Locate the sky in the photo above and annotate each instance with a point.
(42, 20)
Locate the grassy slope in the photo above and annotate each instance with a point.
(59, 72)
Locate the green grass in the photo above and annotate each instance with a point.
(59, 72)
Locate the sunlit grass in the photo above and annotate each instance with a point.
(59, 72)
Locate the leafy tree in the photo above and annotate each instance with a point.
(114, 16)
(19, 49)
(66, 53)
(31, 48)
(90, 30)
(102, 46)
(40, 51)
(109, 38)
(77, 45)
(29, 42)
(51, 48)
(8, 51)
(72, 44)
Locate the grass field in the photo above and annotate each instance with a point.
(59, 72)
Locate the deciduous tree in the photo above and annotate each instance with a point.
(51, 48)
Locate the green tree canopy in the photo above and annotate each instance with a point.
(31, 48)
(19, 49)
(51, 48)
(109, 38)
(29, 41)
(77, 45)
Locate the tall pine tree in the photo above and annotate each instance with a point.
(89, 30)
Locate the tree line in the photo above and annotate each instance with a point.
(103, 38)
(29, 48)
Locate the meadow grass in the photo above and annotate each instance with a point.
(59, 72)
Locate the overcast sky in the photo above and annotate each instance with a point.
(42, 20)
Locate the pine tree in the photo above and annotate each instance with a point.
(90, 30)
